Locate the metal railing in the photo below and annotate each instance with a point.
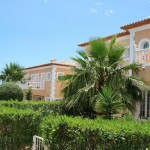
(38, 143)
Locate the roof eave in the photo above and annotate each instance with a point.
(121, 34)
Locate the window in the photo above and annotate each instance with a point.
(148, 104)
(42, 77)
(145, 109)
(142, 110)
(60, 75)
(32, 77)
(36, 77)
(146, 45)
(48, 76)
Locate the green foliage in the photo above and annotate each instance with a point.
(19, 121)
(128, 116)
(29, 94)
(45, 108)
(17, 127)
(108, 102)
(10, 91)
(12, 73)
(62, 132)
(99, 65)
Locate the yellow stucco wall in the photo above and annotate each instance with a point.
(59, 85)
(141, 35)
(46, 92)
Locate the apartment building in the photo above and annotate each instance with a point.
(136, 38)
(45, 79)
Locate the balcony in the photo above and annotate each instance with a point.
(33, 85)
(142, 56)
(37, 85)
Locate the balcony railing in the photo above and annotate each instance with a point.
(37, 85)
(33, 85)
(142, 56)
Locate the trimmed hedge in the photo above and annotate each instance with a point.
(17, 128)
(62, 132)
(10, 91)
(46, 108)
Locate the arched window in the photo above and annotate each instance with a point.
(146, 45)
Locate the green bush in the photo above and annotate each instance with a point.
(10, 91)
(46, 108)
(17, 128)
(61, 133)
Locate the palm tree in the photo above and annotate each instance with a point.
(99, 65)
(109, 102)
(12, 73)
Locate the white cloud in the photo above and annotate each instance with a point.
(96, 7)
(98, 3)
(93, 10)
(109, 12)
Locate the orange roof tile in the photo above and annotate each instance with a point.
(136, 24)
(107, 38)
(61, 63)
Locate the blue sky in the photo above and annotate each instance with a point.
(34, 31)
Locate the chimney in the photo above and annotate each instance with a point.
(52, 60)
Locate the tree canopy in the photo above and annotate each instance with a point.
(12, 72)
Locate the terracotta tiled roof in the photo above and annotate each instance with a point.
(54, 62)
(136, 24)
(107, 37)
(43, 65)
(125, 27)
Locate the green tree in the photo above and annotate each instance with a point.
(29, 94)
(99, 65)
(108, 102)
(10, 91)
(12, 73)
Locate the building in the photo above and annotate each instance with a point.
(45, 79)
(136, 38)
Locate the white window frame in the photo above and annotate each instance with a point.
(47, 76)
(141, 44)
(43, 73)
(36, 79)
(58, 73)
(32, 77)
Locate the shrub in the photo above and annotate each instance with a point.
(17, 128)
(46, 108)
(10, 90)
(61, 133)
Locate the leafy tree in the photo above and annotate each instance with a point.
(29, 94)
(108, 102)
(10, 91)
(13, 73)
(99, 65)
